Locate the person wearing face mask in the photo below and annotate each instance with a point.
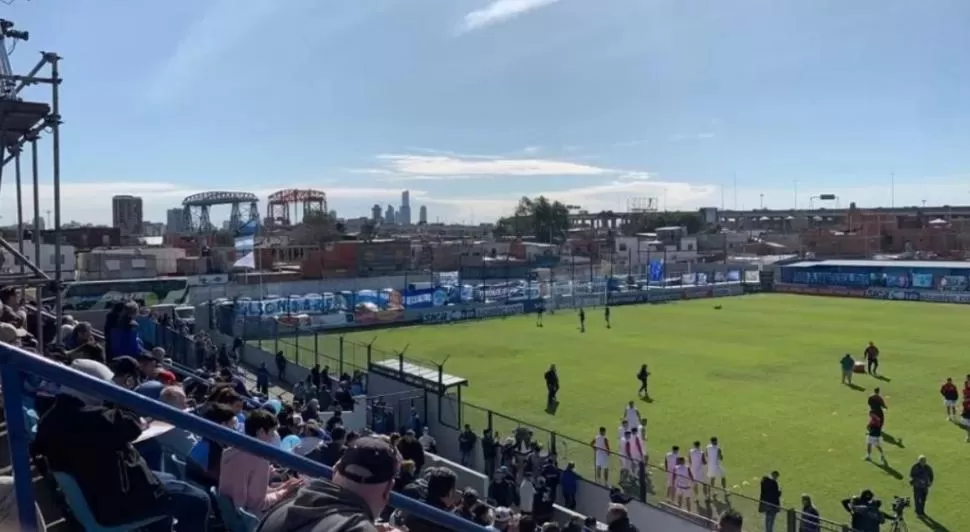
(245, 478)
(350, 501)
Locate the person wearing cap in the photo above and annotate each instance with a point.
(502, 519)
(91, 442)
(350, 501)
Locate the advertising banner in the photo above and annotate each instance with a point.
(893, 294)
(628, 298)
(838, 291)
(661, 296)
(752, 276)
(425, 298)
(734, 276)
(697, 292)
(501, 310)
(446, 316)
(688, 279)
(727, 290)
(368, 317)
(933, 296)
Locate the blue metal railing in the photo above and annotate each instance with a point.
(15, 363)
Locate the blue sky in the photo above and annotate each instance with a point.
(471, 104)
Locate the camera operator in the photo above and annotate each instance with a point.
(865, 511)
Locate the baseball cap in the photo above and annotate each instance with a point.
(166, 377)
(369, 461)
(502, 514)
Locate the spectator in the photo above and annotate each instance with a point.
(315, 375)
(466, 445)
(770, 499)
(618, 519)
(124, 333)
(441, 494)
(502, 490)
(469, 500)
(280, 366)
(11, 334)
(489, 451)
(342, 396)
(590, 525)
(126, 372)
(550, 527)
(174, 397)
(336, 419)
(245, 477)
(262, 380)
(482, 515)
(527, 524)
(428, 443)
(89, 351)
(312, 411)
(406, 477)
(332, 453)
(527, 493)
(730, 521)
(101, 452)
(350, 502)
(809, 521)
(543, 501)
(205, 458)
(502, 519)
(80, 335)
(570, 484)
(411, 449)
(921, 478)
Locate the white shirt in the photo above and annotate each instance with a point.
(672, 461)
(426, 441)
(683, 476)
(632, 416)
(696, 461)
(713, 455)
(527, 492)
(621, 432)
(601, 443)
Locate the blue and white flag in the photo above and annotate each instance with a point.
(244, 244)
(248, 229)
(657, 270)
(247, 261)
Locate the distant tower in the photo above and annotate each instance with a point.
(389, 215)
(375, 213)
(126, 214)
(423, 215)
(404, 214)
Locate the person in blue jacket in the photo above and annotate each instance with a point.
(124, 334)
(569, 483)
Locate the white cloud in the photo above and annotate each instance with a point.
(500, 11)
(446, 167)
(531, 149)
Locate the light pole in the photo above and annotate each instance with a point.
(761, 205)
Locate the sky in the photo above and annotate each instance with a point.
(471, 104)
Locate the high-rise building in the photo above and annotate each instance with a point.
(423, 215)
(404, 213)
(389, 215)
(375, 213)
(174, 221)
(126, 214)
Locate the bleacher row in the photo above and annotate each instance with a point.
(62, 507)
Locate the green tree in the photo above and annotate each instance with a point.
(649, 222)
(546, 221)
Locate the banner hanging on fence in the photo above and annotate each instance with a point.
(752, 276)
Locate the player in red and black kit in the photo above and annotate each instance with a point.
(877, 405)
(872, 358)
(965, 417)
(874, 436)
(966, 388)
(950, 397)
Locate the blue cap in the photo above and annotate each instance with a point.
(151, 389)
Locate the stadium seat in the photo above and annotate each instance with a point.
(82, 513)
(235, 518)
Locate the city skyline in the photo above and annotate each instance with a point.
(495, 100)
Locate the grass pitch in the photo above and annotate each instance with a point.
(762, 374)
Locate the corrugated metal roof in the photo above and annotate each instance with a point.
(884, 263)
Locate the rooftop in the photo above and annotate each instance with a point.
(884, 263)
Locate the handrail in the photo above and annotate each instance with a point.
(14, 362)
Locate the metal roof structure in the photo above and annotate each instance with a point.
(414, 374)
(923, 264)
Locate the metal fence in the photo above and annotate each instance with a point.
(646, 481)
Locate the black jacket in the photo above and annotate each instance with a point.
(622, 524)
(415, 523)
(320, 507)
(93, 444)
(770, 498)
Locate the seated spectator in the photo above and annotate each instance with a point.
(502, 520)
(336, 419)
(100, 452)
(66, 329)
(174, 397)
(80, 335)
(441, 494)
(204, 462)
(332, 452)
(245, 478)
(312, 410)
(351, 501)
(428, 443)
(469, 500)
(618, 519)
(11, 334)
(126, 372)
(406, 477)
(89, 351)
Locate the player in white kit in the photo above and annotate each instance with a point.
(601, 454)
(626, 455)
(641, 434)
(697, 463)
(631, 415)
(624, 428)
(715, 469)
(670, 466)
(637, 451)
(683, 480)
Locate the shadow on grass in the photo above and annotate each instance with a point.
(855, 387)
(881, 378)
(888, 469)
(646, 398)
(891, 440)
(712, 508)
(933, 524)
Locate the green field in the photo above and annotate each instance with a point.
(761, 374)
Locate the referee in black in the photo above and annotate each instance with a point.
(552, 385)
